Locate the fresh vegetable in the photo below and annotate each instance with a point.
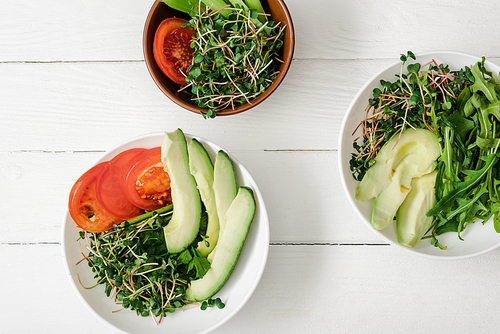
(462, 107)
(132, 261)
(235, 61)
(256, 4)
(185, 6)
(411, 220)
(412, 101)
(172, 48)
(386, 204)
(202, 169)
(236, 52)
(416, 146)
(144, 181)
(225, 189)
(84, 207)
(109, 190)
(400, 160)
(148, 262)
(185, 223)
(238, 218)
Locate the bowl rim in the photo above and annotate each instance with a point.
(287, 55)
(370, 83)
(264, 224)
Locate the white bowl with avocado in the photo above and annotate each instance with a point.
(235, 292)
(477, 238)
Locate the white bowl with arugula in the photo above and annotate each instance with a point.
(452, 99)
(185, 310)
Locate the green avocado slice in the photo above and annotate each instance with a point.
(417, 146)
(184, 226)
(238, 219)
(202, 169)
(411, 219)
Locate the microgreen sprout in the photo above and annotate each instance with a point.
(236, 57)
(211, 303)
(138, 273)
(462, 107)
(413, 100)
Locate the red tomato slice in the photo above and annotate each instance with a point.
(84, 207)
(172, 49)
(109, 190)
(144, 181)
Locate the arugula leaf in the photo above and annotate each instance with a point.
(464, 203)
(493, 109)
(486, 143)
(462, 187)
(472, 104)
(460, 124)
(462, 100)
(480, 84)
(496, 221)
(449, 226)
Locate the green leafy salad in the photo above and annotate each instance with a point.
(174, 256)
(138, 272)
(236, 53)
(461, 108)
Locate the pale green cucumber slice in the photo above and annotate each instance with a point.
(238, 219)
(184, 226)
(225, 189)
(417, 146)
(411, 219)
(202, 169)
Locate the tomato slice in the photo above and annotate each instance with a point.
(172, 49)
(144, 181)
(84, 207)
(109, 190)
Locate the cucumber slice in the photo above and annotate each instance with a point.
(225, 189)
(184, 226)
(238, 219)
(202, 169)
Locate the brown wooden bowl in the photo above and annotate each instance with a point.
(160, 11)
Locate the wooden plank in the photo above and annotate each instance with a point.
(383, 29)
(67, 31)
(112, 30)
(304, 289)
(370, 289)
(95, 106)
(76, 100)
(302, 192)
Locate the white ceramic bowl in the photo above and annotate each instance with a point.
(478, 239)
(235, 293)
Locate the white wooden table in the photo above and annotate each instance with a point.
(73, 83)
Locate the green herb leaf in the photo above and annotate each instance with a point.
(462, 187)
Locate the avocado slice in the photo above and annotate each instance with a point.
(225, 190)
(388, 201)
(202, 169)
(184, 226)
(417, 146)
(238, 219)
(411, 220)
